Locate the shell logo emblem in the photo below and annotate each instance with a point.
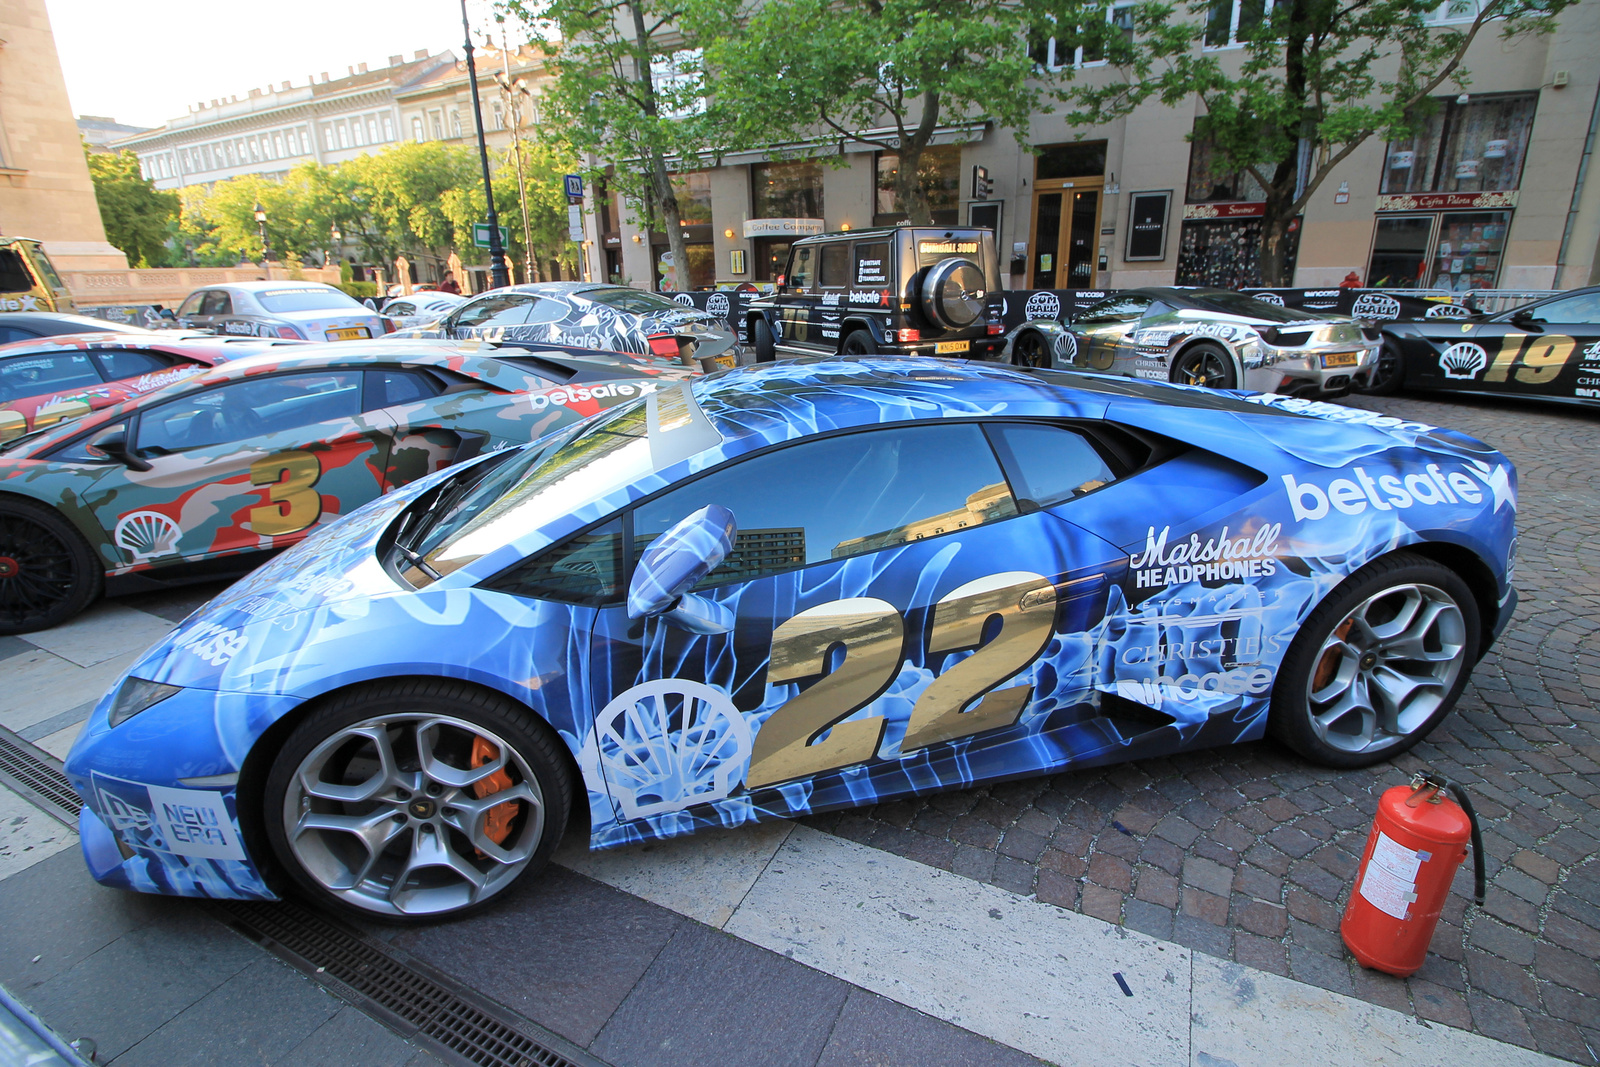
(1463, 360)
(1065, 346)
(1269, 298)
(146, 534)
(685, 299)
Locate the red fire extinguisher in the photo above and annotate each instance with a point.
(1418, 840)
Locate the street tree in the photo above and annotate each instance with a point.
(795, 69)
(631, 92)
(1310, 82)
(138, 217)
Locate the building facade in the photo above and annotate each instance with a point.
(99, 131)
(1497, 192)
(45, 189)
(272, 130)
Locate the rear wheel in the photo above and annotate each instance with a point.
(1389, 373)
(414, 800)
(858, 343)
(761, 339)
(1378, 664)
(1205, 364)
(48, 573)
(1030, 350)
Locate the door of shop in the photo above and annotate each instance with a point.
(1066, 233)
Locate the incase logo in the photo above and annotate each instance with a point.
(1386, 492)
(1240, 681)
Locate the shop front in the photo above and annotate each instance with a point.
(1068, 194)
(1220, 245)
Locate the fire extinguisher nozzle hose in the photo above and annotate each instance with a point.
(1480, 877)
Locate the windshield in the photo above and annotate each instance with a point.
(540, 485)
(634, 300)
(281, 300)
(1238, 304)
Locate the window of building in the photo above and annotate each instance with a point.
(1209, 176)
(327, 138)
(1230, 21)
(499, 116)
(277, 141)
(455, 123)
(372, 130)
(1456, 11)
(679, 83)
(388, 127)
(939, 176)
(358, 135)
(416, 131)
(1075, 159)
(255, 152)
(436, 120)
(344, 135)
(1052, 49)
(841, 496)
(1226, 253)
(786, 190)
(693, 190)
(1474, 147)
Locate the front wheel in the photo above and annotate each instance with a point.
(858, 343)
(1389, 373)
(48, 573)
(1030, 350)
(415, 800)
(1205, 364)
(1378, 664)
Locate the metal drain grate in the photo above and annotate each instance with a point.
(38, 775)
(400, 992)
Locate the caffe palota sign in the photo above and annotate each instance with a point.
(782, 227)
(1447, 201)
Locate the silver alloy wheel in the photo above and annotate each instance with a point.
(386, 814)
(1386, 668)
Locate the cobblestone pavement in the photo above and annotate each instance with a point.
(1248, 852)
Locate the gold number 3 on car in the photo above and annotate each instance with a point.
(872, 635)
(294, 503)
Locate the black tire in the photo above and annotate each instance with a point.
(858, 343)
(1322, 702)
(416, 808)
(1030, 349)
(761, 340)
(1207, 364)
(1389, 373)
(48, 572)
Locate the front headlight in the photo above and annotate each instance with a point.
(135, 695)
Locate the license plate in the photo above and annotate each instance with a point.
(726, 362)
(349, 333)
(1341, 359)
(944, 347)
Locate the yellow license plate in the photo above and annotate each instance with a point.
(1341, 359)
(726, 362)
(349, 333)
(942, 348)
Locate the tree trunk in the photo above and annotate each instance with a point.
(1279, 215)
(1274, 255)
(660, 180)
(908, 189)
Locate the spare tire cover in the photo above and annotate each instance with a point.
(953, 292)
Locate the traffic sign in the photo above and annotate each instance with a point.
(480, 235)
(574, 185)
(574, 222)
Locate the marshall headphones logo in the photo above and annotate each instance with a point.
(1463, 360)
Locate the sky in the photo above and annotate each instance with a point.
(142, 62)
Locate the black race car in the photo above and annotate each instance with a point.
(1549, 348)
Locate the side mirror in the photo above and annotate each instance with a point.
(114, 443)
(1524, 318)
(675, 563)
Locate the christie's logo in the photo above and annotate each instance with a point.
(1389, 492)
(1217, 559)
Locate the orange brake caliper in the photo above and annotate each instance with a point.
(1326, 668)
(497, 820)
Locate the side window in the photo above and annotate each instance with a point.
(14, 276)
(872, 264)
(241, 410)
(191, 306)
(389, 386)
(15, 333)
(802, 267)
(585, 569)
(508, 310)
(835, 266)
(1583, 309)
(118, 363)
(841, 496)
(1115, 309)
(34, 375)
(217, 303)
(399, 307)
(548, 311)
(1049, 464)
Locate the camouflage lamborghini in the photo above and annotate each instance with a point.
(200, 478)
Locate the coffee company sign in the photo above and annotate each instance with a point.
(782, 227)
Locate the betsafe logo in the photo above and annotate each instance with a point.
(1390, 492)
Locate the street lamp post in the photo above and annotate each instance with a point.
(497, 252)
(261, 227)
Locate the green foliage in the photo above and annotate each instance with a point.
(1327, 73)
(138, 218)
(358, 290)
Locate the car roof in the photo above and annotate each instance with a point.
(44, 319)
(550, 288)
(256, 287)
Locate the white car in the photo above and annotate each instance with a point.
(305, 311)
(421, 308)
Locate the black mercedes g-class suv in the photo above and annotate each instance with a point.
(905, 290)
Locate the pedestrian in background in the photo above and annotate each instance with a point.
(450, 285)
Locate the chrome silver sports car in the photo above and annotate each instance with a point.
(1209, 337)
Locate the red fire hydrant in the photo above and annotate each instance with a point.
(1418, 840)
